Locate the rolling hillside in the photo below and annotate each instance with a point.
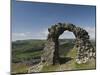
(26, 53)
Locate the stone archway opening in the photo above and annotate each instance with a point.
(66, 46)
(67, 39)
(84, 47)
(67, 35)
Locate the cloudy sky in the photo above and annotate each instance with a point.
(30, 20)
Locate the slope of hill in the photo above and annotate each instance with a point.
(27, 53)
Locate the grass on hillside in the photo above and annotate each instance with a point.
(27, 50)
(19, 68)
(70, 65)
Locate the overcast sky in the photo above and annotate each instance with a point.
(30, 20)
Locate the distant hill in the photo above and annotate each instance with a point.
(29, 47)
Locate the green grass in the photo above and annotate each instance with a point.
(72, 53)
(19, 68)
(26, 56)
(29, 55)
(49, 68)
(70, 65)
(89, 65)
(29, 49)
(26, 49)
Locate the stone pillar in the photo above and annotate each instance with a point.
(51, 51)
(56, 52)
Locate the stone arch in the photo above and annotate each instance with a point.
(85, 50)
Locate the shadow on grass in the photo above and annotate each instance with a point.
(63, 60)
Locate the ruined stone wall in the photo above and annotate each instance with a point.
(85, 50)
